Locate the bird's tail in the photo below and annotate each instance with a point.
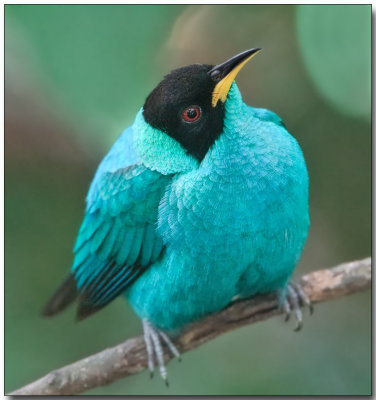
(64, 295)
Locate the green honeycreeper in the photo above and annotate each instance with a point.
(201, 201)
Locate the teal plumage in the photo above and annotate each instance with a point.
(233, 227)
(201, 201)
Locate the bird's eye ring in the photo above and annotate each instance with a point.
(191, 114)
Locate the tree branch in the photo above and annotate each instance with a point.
(130, 357)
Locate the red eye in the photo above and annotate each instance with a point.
(191, 114)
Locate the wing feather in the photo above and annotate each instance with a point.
(117, 239)
(111, 254)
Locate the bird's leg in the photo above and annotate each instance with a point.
(292, 298)
(302, 295)
(154, 339)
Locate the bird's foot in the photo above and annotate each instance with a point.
(154, 340)
(292, 299)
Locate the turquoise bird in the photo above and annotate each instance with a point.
(201, 201)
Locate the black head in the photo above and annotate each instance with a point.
(185, 104)
(181, 107)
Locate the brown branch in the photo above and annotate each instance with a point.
(130, 357)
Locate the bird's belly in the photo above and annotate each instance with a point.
(222, 241)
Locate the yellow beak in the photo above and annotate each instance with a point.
(225, 73)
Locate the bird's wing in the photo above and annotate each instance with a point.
(117, 239)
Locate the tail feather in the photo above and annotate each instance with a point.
(65, 294)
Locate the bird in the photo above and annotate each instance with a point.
(203, 200)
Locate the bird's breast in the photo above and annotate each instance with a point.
(235, 226)
(247, 194)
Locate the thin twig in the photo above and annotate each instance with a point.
(130, 357)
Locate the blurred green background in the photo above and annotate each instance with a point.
(75, 78)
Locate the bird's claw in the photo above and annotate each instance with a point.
(303, 298)
(154, 340)
(293, 299)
